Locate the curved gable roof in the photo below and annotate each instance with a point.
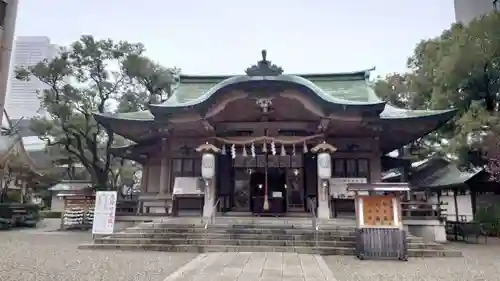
(331, 91)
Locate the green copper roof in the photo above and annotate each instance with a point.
(333, 92)
(349, 86)
(339, 92)
(358, 91)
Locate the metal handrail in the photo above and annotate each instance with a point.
(314, 223)
(212, 218)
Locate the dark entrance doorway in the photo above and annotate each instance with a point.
(241, 183)
(275, 188)
(296, 199)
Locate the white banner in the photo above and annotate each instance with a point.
(104, 212)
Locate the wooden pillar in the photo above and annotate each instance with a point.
(168, 168)
(473, 199)
(455, 191)
(145, 177)
(163, 166)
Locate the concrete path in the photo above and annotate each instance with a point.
(254, 267)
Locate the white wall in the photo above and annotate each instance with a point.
(465, 204)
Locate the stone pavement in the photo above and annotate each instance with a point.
(254, 267)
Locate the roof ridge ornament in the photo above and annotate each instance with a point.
(264, 68)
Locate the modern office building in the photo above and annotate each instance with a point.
(23, 96)
(8, 15)
(467, 10)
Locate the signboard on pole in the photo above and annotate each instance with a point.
(104, 212)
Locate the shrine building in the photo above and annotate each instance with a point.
(264, 130)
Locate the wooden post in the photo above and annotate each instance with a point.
(455, 200)
(473, 199)
(162, 167)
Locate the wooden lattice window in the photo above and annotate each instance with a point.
(351, 168)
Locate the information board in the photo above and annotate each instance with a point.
(104, 212)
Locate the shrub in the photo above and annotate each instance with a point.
(489, 217)
(51, 215)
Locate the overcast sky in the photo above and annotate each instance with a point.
(225, 37)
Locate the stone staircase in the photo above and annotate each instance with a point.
(334, 237)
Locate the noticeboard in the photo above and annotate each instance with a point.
(104, 212)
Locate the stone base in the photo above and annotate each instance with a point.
(429, 230)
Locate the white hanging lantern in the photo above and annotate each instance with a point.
(252, 149)
(264, 147)
(207, 166)
(283, 151)
(223, 150)
(324, 166)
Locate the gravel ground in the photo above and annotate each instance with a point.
(480, 262)
(37, 254)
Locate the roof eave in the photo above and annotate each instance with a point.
(112, 122)
(442, 117)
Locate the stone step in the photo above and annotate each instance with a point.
(232, 248)
(228, 242)
(244, 226)
(263, 231)
(248, 242)
(192, 227)
(260, 220)
(222, 235)
(244, 236)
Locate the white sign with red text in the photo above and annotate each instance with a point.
(104, 212)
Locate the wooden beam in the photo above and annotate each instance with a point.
(208, 126)
(323, 125)
(271, 125)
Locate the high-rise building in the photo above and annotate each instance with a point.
(23, 96)
(467, 10)
(8, 15)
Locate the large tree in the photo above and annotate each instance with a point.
(460, 69)
(90, 76)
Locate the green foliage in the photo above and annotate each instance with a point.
(90, 76)
(14, 196)
(16, 214)
(50, 215)
(489, 218)
(459, 69)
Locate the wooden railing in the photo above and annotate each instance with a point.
(423, 210)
